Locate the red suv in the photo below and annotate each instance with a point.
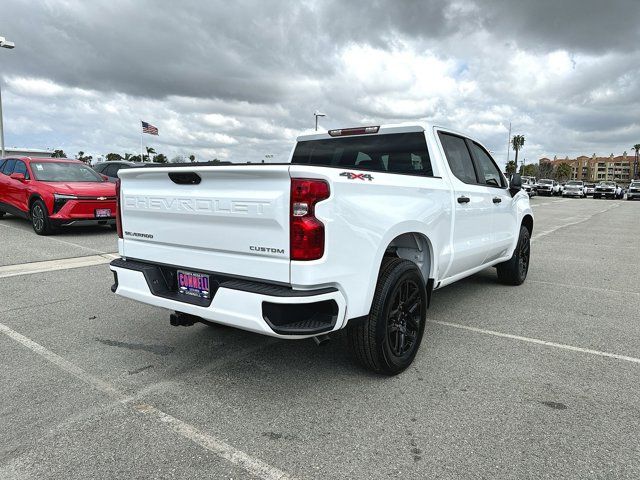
(55, 192)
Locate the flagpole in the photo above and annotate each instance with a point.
(141, 157)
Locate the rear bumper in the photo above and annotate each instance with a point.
(273, 310)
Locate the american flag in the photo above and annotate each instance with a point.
(148, 128)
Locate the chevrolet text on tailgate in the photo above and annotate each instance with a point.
(355, 232)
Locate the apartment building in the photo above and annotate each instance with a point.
(622, 168)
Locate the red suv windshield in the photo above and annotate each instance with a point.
(63, 172)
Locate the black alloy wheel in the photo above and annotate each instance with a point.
(388, 340)
(514, 271)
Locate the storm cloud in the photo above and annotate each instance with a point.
(239, 80)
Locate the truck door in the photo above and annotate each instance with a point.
(503, 215)
(473, 207)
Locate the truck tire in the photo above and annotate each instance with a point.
(514, 271)
(388, 340)
(40, 218)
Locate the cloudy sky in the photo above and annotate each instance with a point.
(239, 80)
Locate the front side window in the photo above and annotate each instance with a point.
(64, 172)
(21, 167)
(389, 153)
(489, 172)
(457, 153)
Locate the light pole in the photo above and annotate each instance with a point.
(4, 43)
(318, 114)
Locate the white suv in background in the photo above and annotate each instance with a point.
(634, 190)
(574, 188)
(548, 187)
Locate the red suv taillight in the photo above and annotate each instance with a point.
(307, 232)
(118, 209)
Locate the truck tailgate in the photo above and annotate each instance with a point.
(227, 219)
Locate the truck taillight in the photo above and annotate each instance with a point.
(118, 209)
(307, 232)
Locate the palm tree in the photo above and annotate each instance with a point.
(636, 147)
(517, 142)
(149, 150)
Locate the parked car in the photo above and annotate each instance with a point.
(529, 185)
(110, 169)
(605, 189)
(574, 188)
(54, 192)
(634, 190)
(355, 232)
(548, 187)
(589, 188)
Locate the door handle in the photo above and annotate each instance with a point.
(463, 199)
(497, 199)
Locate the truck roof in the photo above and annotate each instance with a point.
(386, 129)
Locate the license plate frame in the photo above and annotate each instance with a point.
(193, 284)
(102, 213)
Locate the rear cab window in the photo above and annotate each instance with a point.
(401, 153)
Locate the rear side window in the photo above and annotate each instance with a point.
(458, 157)
(7, 168)
(489, 172)
(390, 153)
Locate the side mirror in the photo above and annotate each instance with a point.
(18, 176)
(515, 185)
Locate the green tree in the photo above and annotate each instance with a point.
(59, 154)
(86, 159)
(530, 170)
(133, 158)
(127, 156)
(511, 167)
(545, 170)
(113, 157)
(150, 151)
(517, 142)
(160, 158)
(192, 157)
(636, 147)
(563, 171)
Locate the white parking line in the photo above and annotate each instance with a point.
(77, 245)
(538, 341)
(252, 465)
(584, 287)
(549, 203)
(575, 222)
(60, 264)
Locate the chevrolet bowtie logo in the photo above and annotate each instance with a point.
(102, 198)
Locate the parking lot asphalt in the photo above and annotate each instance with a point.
(536, 381)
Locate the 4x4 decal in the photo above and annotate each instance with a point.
(356, 176)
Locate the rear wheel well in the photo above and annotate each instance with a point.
(414, 247)
(527, 222)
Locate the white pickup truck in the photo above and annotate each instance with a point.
(355, 232)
